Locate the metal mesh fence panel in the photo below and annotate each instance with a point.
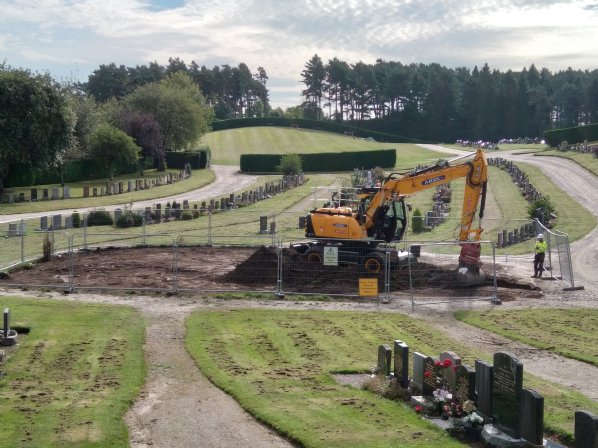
(119, 261)
(437, 278)
(53, 264)
(335, 268)
(558, 257)
(228, 263)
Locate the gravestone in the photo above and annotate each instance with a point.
(108, 188)
(586, 430)
(56, 222)
(449, 373)
(55, 193)
(102, 191)
(13, 230)
(263, 224)
(158, 212)
(121, 187)
(94, 191)
(532, 417)
(177, 211)
(484, 376)
(506, 394)
(384, 357)
(185, 204)
(45, 193)
(464, 384)
(430, 384)
(66, 192)
(401, 363)
(34, 194)
(85, 191)
(117, 214)
(68, 222)
(418, 369)
(129, 185)
(43, 223)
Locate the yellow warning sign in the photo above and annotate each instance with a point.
(368, 287)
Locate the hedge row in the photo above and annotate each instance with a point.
(330, 126)
(22, 174)
(322, 162)
(572, 135)
(198, 159)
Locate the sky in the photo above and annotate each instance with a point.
(70, 39)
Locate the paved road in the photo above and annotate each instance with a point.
(228, 179)
(582, 186)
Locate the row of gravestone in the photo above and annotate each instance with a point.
(111, 188)
(516, 414)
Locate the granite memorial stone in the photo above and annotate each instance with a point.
(506, 394)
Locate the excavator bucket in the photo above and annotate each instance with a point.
(469, 272)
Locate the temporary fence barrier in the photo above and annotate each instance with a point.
(437, 278)
(559, 252)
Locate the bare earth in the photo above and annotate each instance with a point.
(179, 407)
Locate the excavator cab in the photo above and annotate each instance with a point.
(389, 220)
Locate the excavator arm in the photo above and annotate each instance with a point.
(475, 173)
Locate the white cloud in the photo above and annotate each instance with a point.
(282, 35)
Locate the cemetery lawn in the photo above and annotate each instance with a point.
(198, 179)
(571, 332)
(71, 379)
(278, 366)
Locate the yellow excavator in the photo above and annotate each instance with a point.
(378, 216)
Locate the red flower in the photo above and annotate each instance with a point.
(427, 374)
(437, 363)
(447, 363)
(455, 369)
(418, 408)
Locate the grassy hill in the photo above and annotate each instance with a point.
(228, 145)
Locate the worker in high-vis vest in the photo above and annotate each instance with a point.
(540, 248)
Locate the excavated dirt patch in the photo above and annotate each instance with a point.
(205, 268)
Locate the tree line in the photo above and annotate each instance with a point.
(46, 125)
(233, 92)
(433, 102)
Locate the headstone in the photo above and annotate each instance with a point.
(464, 383)
(484, 376)
(45, 194)
(34, 194)
(177, 211)
(158, 212)
(586, 430)
(506, 394)
(532, 417)
(43, 223)
(13, 230)
(384, 357)
(117, 214)
(95, 191)
(6, 326)
(401, 363)
(68, 222)
(56, 222)
(11, 198)
(85, 191)
(66, 192)
(102, 191)
(185, 204)
(129, 185)
(263, 224)
(449, 373)
(121, 187)
(430, 384)
(108, 188)
(55, 193)
(418, 369)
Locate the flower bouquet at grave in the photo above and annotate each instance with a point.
(441, 394)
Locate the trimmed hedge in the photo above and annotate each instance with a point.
(572, 135)
(330, 126)
(23, 175)
(198, 159)
(322, 162)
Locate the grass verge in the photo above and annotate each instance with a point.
(278, 365)
(71, 379)
(568, 332)
(587, 161)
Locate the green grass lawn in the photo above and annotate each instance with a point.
(569, 332)
(71, 379)
(278, 365)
